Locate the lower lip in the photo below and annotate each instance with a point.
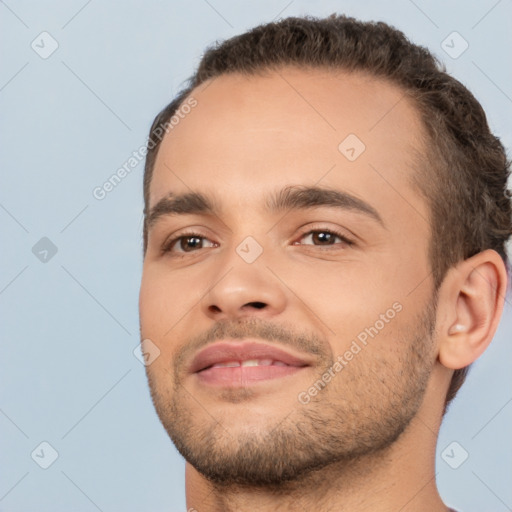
(243, 375)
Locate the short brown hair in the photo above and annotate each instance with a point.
(463, 176)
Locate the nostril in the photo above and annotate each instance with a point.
(259, 305)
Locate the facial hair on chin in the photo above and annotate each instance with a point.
(358, 416)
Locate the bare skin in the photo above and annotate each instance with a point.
(247, 138)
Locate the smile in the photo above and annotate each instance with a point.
(232, 363)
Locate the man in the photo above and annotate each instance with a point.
(325, 220)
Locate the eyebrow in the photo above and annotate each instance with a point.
(289, 198)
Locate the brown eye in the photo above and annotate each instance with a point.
(186, 243)
(324, 237)
(189, 243)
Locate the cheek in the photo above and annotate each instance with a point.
(168, 303)
(355, 299)
(150, 302)
(344, 295)
(161, 302)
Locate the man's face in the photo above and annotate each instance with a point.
(346, 283)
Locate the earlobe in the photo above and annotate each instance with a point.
(473, 295)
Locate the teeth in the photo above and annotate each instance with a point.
(249, 362)
(229, 364)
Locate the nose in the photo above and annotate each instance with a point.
(241, 289)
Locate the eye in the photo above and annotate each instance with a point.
(192, 242)
(325, 237)
(185, 243)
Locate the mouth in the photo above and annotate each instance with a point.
(240, 364)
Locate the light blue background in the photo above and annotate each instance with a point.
(69, 326)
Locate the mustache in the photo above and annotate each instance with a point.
(254, 328)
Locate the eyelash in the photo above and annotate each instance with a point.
(169, 244)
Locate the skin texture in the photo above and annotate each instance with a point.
(367, 440)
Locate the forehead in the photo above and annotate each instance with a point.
(250, 133)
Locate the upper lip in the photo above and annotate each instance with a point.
(223, 352)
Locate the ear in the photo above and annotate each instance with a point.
(470, 303)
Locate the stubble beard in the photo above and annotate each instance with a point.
(360, 416)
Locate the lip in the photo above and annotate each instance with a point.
(241, 376)
(226, 351)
